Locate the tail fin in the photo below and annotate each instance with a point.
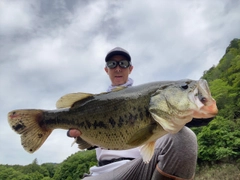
(27, 124)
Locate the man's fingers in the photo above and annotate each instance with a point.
(73, 133)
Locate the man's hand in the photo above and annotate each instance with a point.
(81, 143)
(73, 133)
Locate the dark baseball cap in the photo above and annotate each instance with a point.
(118, 51)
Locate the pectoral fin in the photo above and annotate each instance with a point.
(141, 136)
(147, 151)
(82, 144)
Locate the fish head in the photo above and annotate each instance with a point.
(177, 103)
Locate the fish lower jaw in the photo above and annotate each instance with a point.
(175, 124)
(173, 129)
(206, 111)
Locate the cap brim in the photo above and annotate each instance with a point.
(118, 53)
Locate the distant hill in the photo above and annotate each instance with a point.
(219, 141)
(224, 80)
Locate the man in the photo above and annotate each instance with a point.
(174, 157)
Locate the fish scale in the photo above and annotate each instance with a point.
(122, 120)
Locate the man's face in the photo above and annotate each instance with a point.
(118, 75)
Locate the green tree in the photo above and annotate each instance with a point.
(225, 96)
(50, 167)
(9, 173)
(76, 165)
(34, 167)
(220, 140)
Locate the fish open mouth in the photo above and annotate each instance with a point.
(207, 107)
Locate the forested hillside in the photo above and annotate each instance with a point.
(219, 141)
(70, 169)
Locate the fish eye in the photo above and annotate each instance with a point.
(202, 98)
(184, 86)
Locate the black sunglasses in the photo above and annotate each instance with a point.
(123, 64)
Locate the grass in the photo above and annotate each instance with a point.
(221, 171)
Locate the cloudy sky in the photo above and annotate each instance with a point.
(51, 48)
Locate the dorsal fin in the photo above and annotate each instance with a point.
(69, 99)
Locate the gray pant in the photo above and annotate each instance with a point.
(175, 155)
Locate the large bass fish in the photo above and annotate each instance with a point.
(121, 119)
